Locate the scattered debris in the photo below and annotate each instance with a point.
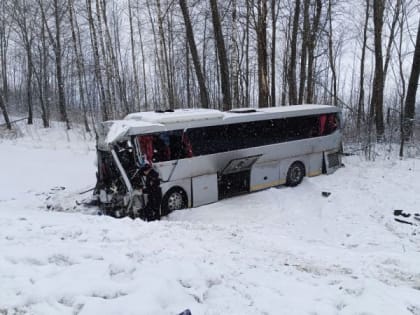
(401, 213)
(403, 221)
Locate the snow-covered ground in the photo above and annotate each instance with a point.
(279, 251)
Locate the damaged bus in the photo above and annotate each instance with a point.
(205, 155)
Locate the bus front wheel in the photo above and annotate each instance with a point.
(174, 199)
(295, 174)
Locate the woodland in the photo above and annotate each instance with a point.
(87, 61)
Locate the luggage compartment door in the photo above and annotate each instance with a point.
(235, 177)
(204, 189)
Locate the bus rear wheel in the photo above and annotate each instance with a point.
(174, 199)
(295, 174)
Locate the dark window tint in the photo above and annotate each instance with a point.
(214, 139)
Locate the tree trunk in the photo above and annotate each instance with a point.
(78, 64)
(361, 102)
(262, 54)
(114, 63)
(58, 64)
(378, 81)
(247, 24)
(29, 85)
(403, 83)
(292, 65)
(165, 59)
(303, 56)
(43, 80)
(143, 62)
(194, 54)
(133, 59)
(221, 50)
(98, 73)
(311, 52)
(4, 43)
(410, 101)
(286, 62)
(4, 111)
(187, 70)
(395, 19)
(107, 66)
(331, 56)
(235, 56)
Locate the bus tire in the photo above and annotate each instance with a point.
(174, 199)
(295, 174)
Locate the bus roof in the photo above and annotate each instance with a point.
(151, 122)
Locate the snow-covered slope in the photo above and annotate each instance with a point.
(279, 251)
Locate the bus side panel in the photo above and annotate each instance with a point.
(265, 175)
(204, 189)
(315, 164)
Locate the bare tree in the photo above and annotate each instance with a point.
(274, 15)
(79, 62)
(330, 54)
(139, 27)
(221, 50)
(4, 111)
(4, 44)
(410, 100)
(293, 48)
(133, 56)
(312, 44)
(261, 28)
(396, 15)
(360, 104)
(194, 54)
(235, 55)
(304, 50)
(21, 14)
(4, 39)
(55, 40)
(97, 63)
(378, 81)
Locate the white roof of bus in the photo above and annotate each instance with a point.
(150, 122)
(177, 116)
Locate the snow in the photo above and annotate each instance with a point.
(279, 251)
(177, 116)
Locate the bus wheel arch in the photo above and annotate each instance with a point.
(295, 173)
(174, 199)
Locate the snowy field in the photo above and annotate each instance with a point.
(279, 251)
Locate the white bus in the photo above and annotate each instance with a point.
(205, 155)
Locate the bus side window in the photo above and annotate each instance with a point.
(176, 145)
(186, 144)
(161, 151)
(146, 147)
(331, 124)
(322, 122)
